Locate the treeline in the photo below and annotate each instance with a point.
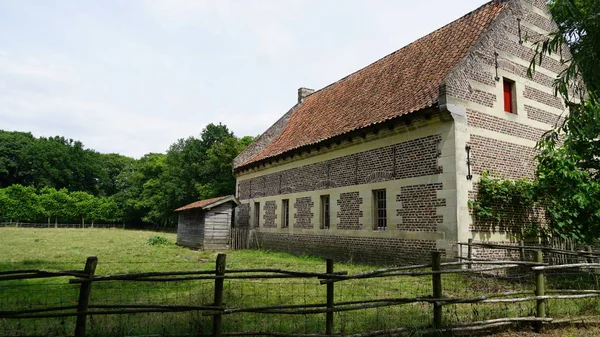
(20, 203)
(134, 191)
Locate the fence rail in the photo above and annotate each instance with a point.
(87, 225)
(538, 294)
(241, 238)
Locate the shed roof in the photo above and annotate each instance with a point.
(402, 82)
(209, 203)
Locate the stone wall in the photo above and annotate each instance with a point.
(418, 207)
(413, 158)
(304, 215)
(270, 216)
(501, 142)
(379, 251)
(242, 216)
(350, 214)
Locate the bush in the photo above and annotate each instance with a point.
(157, 240)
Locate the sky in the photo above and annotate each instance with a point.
(133, 76)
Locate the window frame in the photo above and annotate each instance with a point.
(512, 95)
(380, 209)
(257, 214)
(325, 212)
(285, 213)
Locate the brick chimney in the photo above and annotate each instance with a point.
(303, 93)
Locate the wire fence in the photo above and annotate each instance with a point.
(466, 295)
(154, 228)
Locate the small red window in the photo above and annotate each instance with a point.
(508, 96)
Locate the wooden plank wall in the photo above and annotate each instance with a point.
(218, 227)
(190, 229)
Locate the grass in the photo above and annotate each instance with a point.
(124, 251)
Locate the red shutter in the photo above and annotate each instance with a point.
(508, 97)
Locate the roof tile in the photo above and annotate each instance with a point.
(400, 83)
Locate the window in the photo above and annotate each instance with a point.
(256, 214)
(285, 206)
(324, 212)
(509, 96)
(380, 210)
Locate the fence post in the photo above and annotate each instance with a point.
(522, 250)
(84, 296)
(436, 260)
(470, 252)
(219, 271)
(330, 298)
(590, 259)
(539, 291)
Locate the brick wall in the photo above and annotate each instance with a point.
(350, 212)
(380, 251)
(493, 123)
(519, 219)
(414, 158)
(242, 217)
(270, 215)
(543, 97)
(418, 207)
(543, 116)
(304, 214)
(510, 160)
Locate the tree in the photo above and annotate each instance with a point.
(568, 172)
(3, 204)
(84, 204)
(112, 164)
(12, 148)
(21, 203)
(57, 204)
(106, 210)
(218, 167)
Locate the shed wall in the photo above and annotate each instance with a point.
(190, 229)
(218, 227)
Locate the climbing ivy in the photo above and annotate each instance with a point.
(506, 205)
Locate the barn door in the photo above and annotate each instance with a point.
(217, 230)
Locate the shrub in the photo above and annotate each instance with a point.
(157, 240)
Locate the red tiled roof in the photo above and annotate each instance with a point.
(400, 83)
(201, 203)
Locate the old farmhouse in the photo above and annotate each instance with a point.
(374, 166)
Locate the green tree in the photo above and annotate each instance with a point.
(568, 172)
(106, 210)
(218, 167)
(3, 205)
(21, 203)
(144, 190)
(112, 164)
(57, 204)
(12, 148)
(84, 204)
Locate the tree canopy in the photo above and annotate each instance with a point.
(58, 179)
(568, 171)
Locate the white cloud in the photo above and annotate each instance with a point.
(134, 76)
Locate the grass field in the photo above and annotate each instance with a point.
(125, 251)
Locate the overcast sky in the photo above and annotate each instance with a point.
(133, 76)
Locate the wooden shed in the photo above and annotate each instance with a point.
(206, 224)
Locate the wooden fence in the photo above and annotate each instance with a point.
(217, 309)
(88, 225)
(241, 238)
(558, 251)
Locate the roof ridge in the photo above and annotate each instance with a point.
(407, 45)
(403, 81)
